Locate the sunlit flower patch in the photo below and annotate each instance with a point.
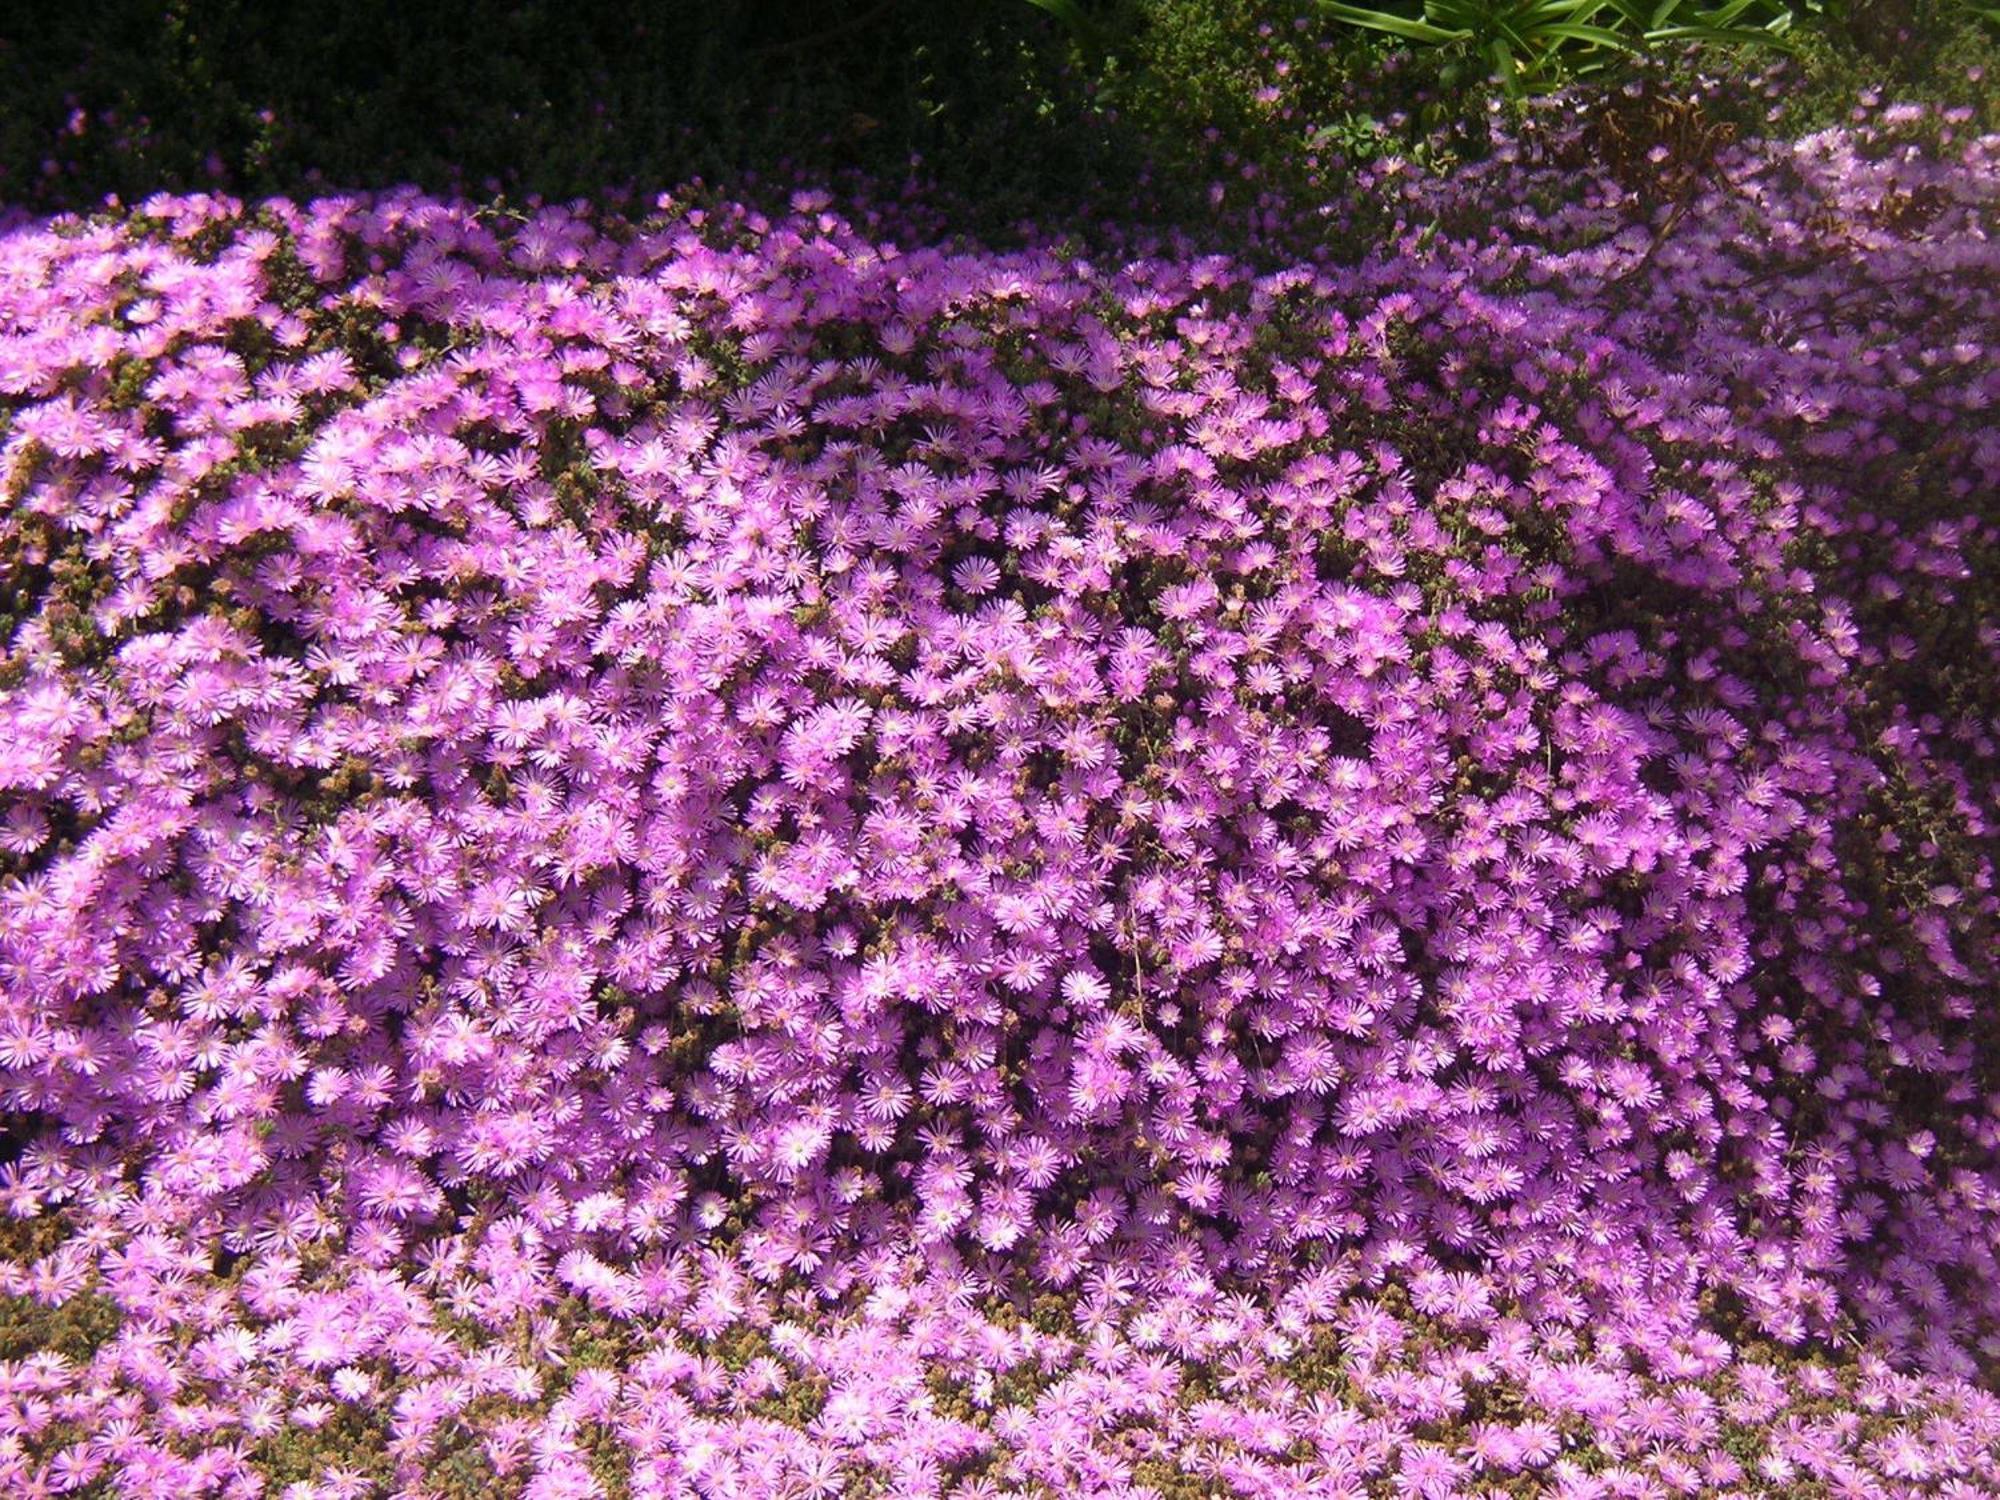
(721, 855)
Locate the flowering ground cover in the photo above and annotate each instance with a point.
(710, 854)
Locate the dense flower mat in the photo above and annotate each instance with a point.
(720, 856)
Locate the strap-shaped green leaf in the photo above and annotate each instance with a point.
(1737, 36)
(1403, 26)
(1598, 36)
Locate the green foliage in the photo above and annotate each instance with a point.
(1882, 28)
(1537, 44)
(1047, 111)
(1937, 51)
(458, 1468)
(1170, 1481)
(75, 1328)
(353, 1440)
